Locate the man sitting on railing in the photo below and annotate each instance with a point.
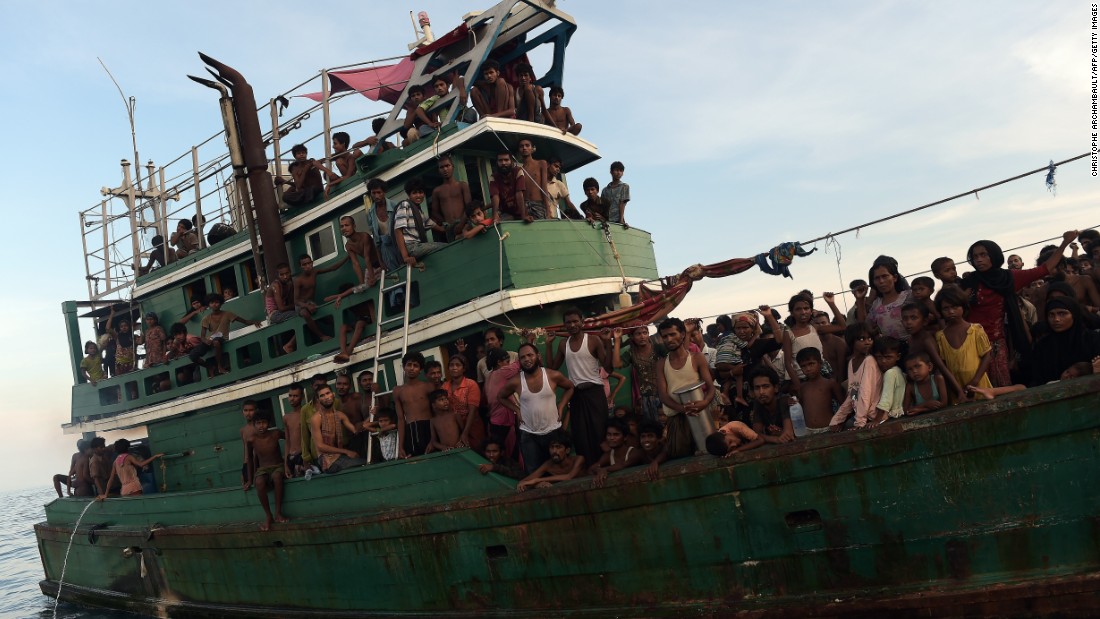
(305, 178)
(410, 228)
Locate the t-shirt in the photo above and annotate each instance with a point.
(893, 392)
(217, 325)
(505, 187)
(616, 195)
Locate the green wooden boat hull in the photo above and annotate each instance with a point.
(988, 509)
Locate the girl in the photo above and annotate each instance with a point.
(864, 379)
(964, 347)
(126, 469)
(926, 391)
(805, 335)
(917, 317)
(891, 293)
(465, 396)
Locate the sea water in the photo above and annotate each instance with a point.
(21, 567)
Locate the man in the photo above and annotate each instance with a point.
(248, 411)
(494, 338)
(304, 287)
(293, 466)
(492, 95)
(327, 429)
(215, 331)
(359, 245)
(414, 416)
(562, 466)
(539, 412)
(410, 227)
(449, 202)
(642, 358)
(508, 191)
(583, 357)
(536, 181)
(680, 369)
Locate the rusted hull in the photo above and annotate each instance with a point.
(985, 510)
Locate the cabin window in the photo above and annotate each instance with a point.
(321, 243)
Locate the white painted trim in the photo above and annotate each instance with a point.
(483, 308)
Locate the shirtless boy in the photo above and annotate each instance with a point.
(537, 177)
(492, 95)
(414, 416)
(558, 116)
(445, 430)
(562, 465)
(815, 392)
(266, 465)
(360, 246)
(449, 201)
(620, 454)
(293, 466)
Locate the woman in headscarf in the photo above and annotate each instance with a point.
(1068, 341)
(993, 302)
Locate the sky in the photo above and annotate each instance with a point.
(741, 125)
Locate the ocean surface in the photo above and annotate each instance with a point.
(20, 568)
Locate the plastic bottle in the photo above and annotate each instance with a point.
(798, 420)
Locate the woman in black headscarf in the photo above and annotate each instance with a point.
(1068, 341)
(994, 306)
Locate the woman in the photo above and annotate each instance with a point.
(1068, 341)
(993, 303)
(465, 397)
(891, 293)
(126, 469)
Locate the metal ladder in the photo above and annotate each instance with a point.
(380, 327)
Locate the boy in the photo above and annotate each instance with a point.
(498, 462)
(449, 201)
(476, 221)
(558, 116)
(215, 331)
(620, 455)
(944, 270)
(492, 96)
(732, 438)
(562, 465)
(595, 208)
(293, 466)
(266, 465)
(617, 194)
(815, 392)
(771, 413)
(410, 235)
(91, 366)
(444, 426)
(887, 351)
(414, 416)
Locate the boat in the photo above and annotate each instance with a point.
(986, 509)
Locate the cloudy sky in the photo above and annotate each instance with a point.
(741, 125)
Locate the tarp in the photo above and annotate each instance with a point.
(385, 83)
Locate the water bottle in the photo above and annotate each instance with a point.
(798, 420)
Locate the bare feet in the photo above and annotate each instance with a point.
(341, 358)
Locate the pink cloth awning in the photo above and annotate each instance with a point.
(385, 83)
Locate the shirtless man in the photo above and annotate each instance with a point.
(327, 430)
(492, 95)
(537, 178)
(414, 415)
(445, 431)
(304, 287)
(266, 465)
(449, 201)
(562, 466)
(620, 454)
(538, 413)
(359, 245)
(293, 465)
(248, 411)
(508, 191)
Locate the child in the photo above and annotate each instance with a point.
(815, 392)
(923, 287)
(944, 270)
(922, 339)
(864, 379)
(617, 194)
(476, 221)
(926, 391)
(91, 366)
(266, 465)
(619, 455)
(771, 413)
(126, 469)
(595, 208)
(562, 465)
(887, 351)
(558, 116)
(731, 438)
(964, 346)
(498, 462)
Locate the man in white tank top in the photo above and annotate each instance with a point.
(539, 412)
(583, 356)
